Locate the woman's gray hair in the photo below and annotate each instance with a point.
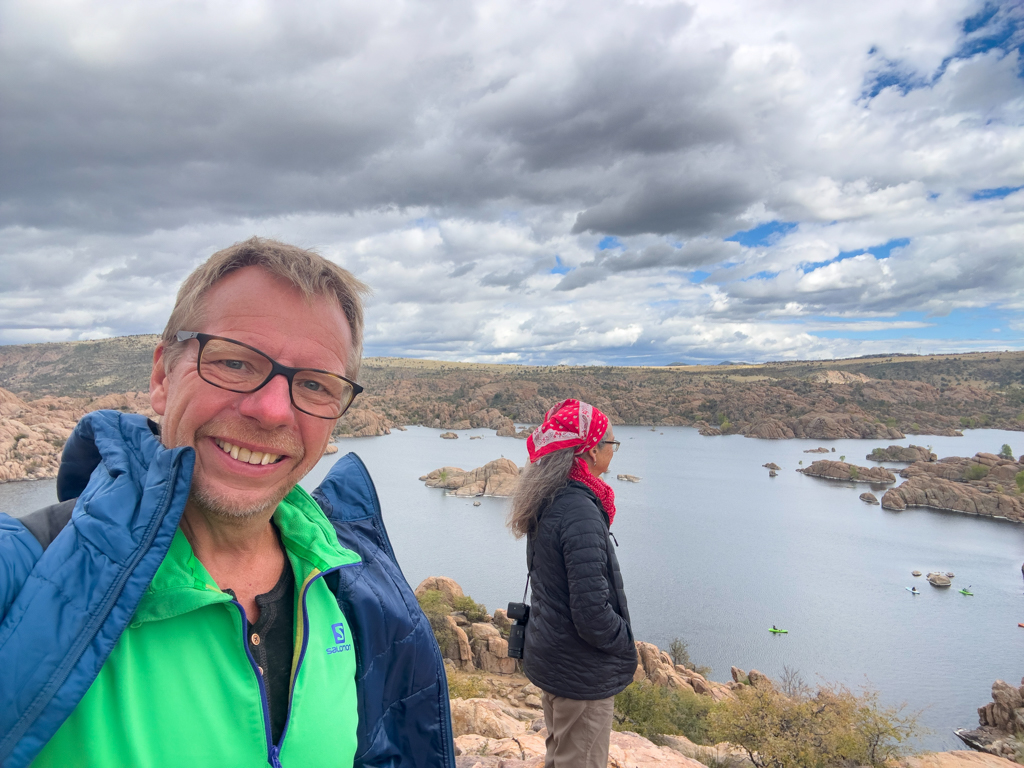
(536, 488)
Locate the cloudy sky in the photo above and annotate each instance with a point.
(616, 182)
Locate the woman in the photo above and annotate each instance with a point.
(579, 645)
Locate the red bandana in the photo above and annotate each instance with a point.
(578, 425)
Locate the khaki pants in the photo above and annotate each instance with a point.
(578, 731)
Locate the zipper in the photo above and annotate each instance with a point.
(73, 656)
(274, 750)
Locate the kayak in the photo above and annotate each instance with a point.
(912, 591)
(965, 592)
(779, 631)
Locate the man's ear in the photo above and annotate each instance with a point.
(158, 381)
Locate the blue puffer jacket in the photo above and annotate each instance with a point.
(62, 610)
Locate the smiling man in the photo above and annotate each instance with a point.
(186, 600)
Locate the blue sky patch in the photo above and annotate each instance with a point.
(699, 276)
(996, 193)
(608, 243)
(985, 324)
(763, 234)
(882, 251)
(559, 268)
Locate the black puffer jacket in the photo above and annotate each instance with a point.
(578, 640)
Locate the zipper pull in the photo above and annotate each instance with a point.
(275, 756)
(613, 538)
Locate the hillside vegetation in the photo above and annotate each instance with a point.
(875, 397)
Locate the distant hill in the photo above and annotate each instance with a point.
(880, 397)
(78, 368)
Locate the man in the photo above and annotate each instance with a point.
(187, 601)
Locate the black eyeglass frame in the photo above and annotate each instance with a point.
(614, 443)
(276, 369)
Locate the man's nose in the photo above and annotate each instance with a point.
(271, 404)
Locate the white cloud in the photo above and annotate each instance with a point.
(468, 160)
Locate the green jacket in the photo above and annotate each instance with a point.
(181, 681)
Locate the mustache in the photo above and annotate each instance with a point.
(269, 442)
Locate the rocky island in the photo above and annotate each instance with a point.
(495, 478)
(899, 454)
(987, 485)
(840, 470)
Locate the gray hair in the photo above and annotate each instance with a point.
(536, 488)
(308, 271)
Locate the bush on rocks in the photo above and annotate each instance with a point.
(809, 729)
(654, 710)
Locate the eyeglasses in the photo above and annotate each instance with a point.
(237, 367)
(613, 443)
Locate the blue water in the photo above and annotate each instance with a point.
(714, 551)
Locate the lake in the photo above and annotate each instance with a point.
(714, 551)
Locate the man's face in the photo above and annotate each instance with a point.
(256, 308)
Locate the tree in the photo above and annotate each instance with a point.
(1006, 452)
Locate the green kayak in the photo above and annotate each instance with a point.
(773, 630)
(965, 592)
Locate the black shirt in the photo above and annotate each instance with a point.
(272, 642)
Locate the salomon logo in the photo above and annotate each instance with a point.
(339, 639)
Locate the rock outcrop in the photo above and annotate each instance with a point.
(840, 470)
(449, 436)
(933, 492)
(448, 587)
(835, 426)
(955, 759)
(1000, 721)
(363, 421)
(490, 649)
(628, 478)
(656, 665)
(902, 454)
(768, 429)
(495, 478)
(869, 498)
(33, 432)
(525, 749)
(819, 450)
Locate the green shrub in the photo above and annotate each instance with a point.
(976, 472)
(854, 473)
(827, 727)
(1006, 452)
(652, 710)
(436, 607)
(462, 685)
(474, 611)
(890, 422)
(877, 454)
(1019, 479)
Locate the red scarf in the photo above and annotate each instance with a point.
(581, 472)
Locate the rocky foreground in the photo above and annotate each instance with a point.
(1001, 721)
(497, 720)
